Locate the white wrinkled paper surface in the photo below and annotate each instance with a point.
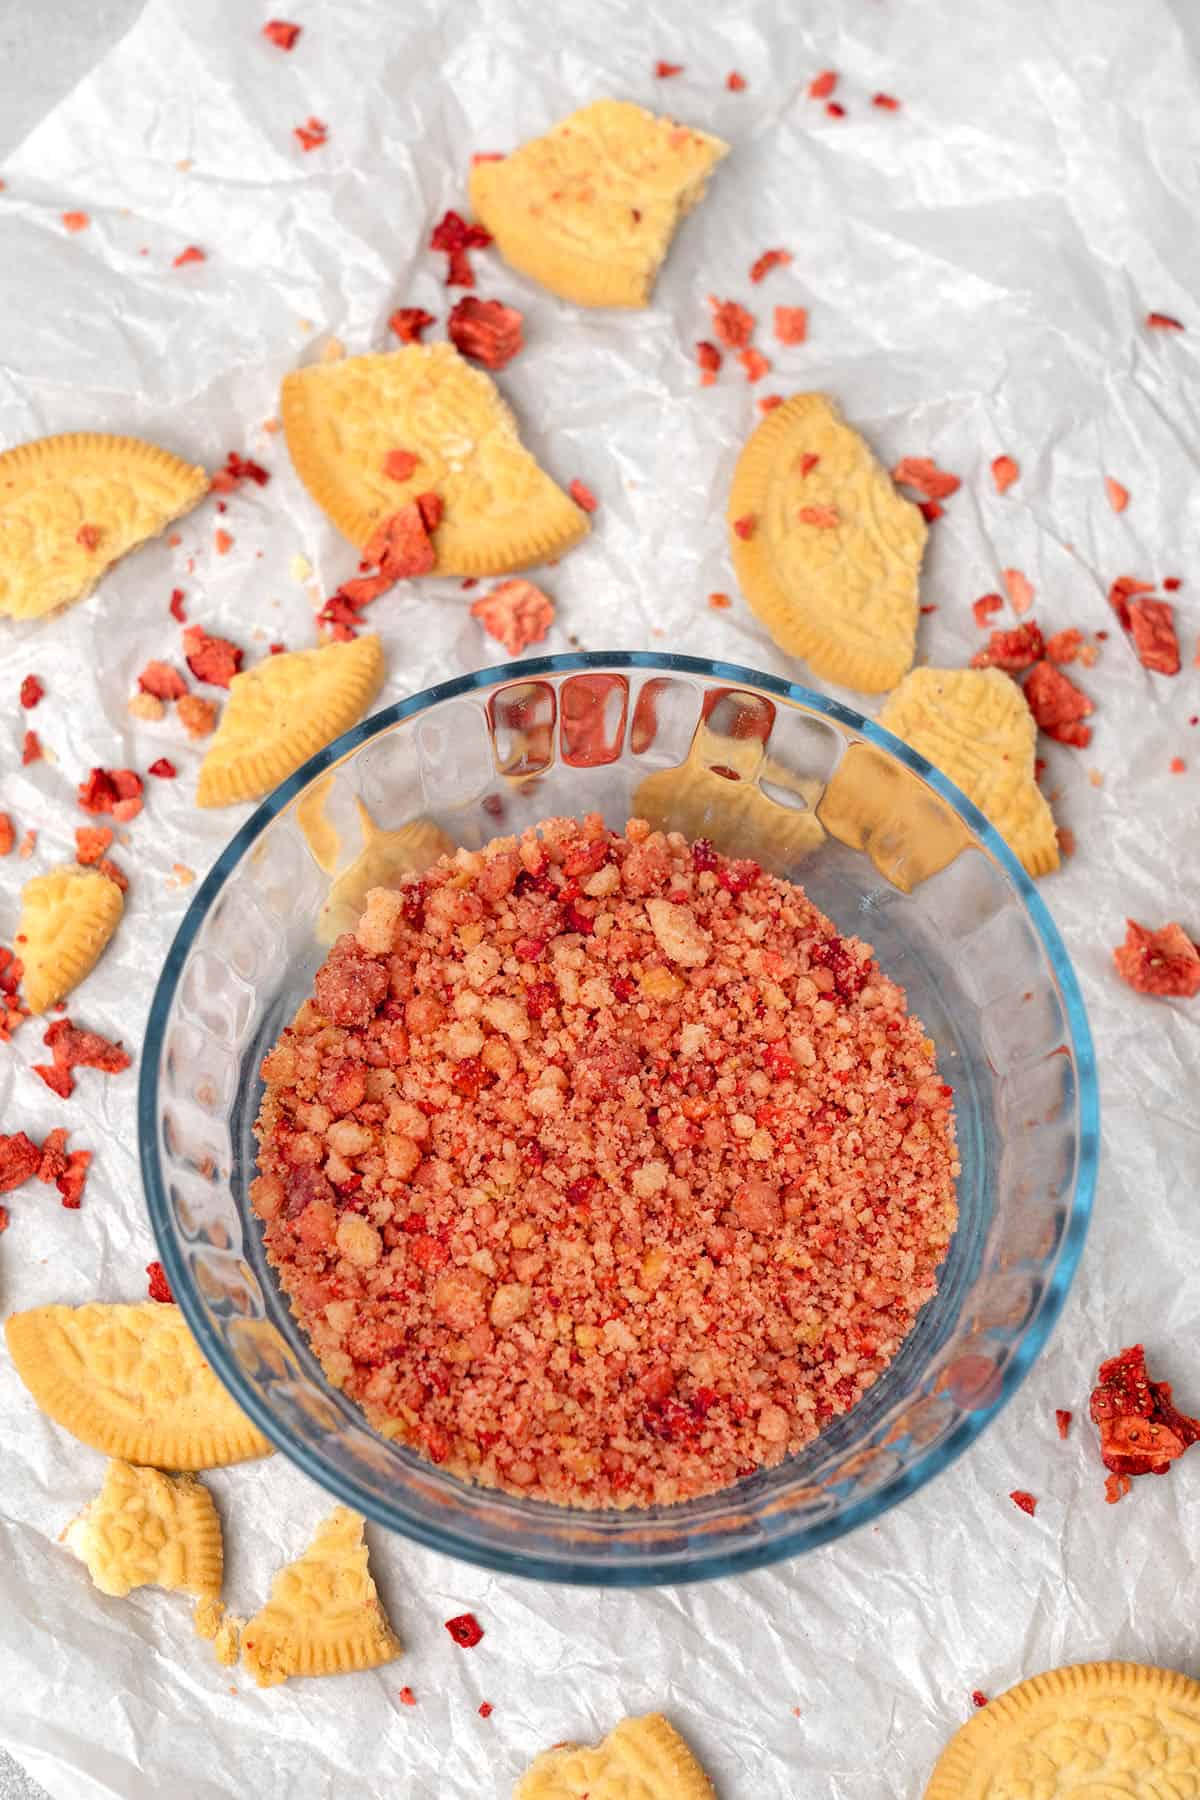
(977, 268)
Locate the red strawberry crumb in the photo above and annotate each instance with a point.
(791, 324)
(1163, 322)
(582, 495)
(735, 82)
(1177, 766)
(1065, 646)
(922, 473)
(1062, 1419)
(886, 102)
(192, 254)
(731, 322)
(76, 221)
(1020, 591)
(710, 359)
(89, 536)
(277, 649)
(754, 363)
(1121, 593)
(1058, 705)
(825, 518)
(31, 748)
(212, 659)
(465, 1629)
(408, 322)
(927, 609)
(1118, 496)
(1164, 962)
(1024, 1500)
(978, 1697)
(834, 109)
(822, 85)
(163, 770)
(485, 330)
(768, 402)
(223, 541)
(516, 613)
(453, 235)
(281, 33)
(664, 70)
(407, 1697)
(985, 609)
(157, 1286)
(485, 1709)
(1152, 627)
(761, 267)
(1013, 651)
(20, 1160)
(31, 692)
(744, 527)
(112, 873)
(1004, 472)
(27, 846)
(1172, 584)
(161, 680)
(176, 606)
(930, 510)
(719, 602)
(312, 134)
(7, 835)
(398, 465)
(236, 470)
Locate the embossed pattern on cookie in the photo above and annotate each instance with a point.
(67, 917)
(640, 1759)
(147, 1529)
(590, 208)
(324, 1615)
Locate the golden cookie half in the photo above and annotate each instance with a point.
(975, 725)
(324, 1615)
(71, 505)
(67, 917)
(501, 511)
(640, 1759)
(284, 710)
(1083, 1733)
(147, 1529)
(590, 209)
(826, 551)
(130, 1380)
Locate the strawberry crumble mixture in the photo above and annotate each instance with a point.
(601, 1169)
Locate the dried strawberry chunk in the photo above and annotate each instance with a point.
(175, 608)
(408, 322)
(731, 322)
(485, 330)
(1024, 1500)
(211, 659)
(1163, 322)
(735, 82)
(1152, 626)
(791, 324)
(1164, 962)
(31, 748)
(1012, 651)
(516, 612)
(115, 791)
(161, 680)
(885, 102)
(1019, 590)
(163, 769)
(238, 469)
(192, 254)
(20, 1159)
(283, 34)
(1141, 1432)
(465, 1629)
(922, 473)
(1118, 496)
(1062, 1421)
(744, 527)
(835, 109)
(822, 85)
(754, 363)
(986, 608)
(31, 692)
(762, 265)
(70, 1183)
(312, 134)
(157, 1286)
(826, 518)
(664, 70)
(1058, 705)
(1004, 472)
(1065, 645)
(455, 236)
(74, 1048)
(1122, 592)
(710, 359)
(400, 546)
(582, 495)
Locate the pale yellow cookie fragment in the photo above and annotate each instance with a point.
(500, 510)
(71, 505)
(67, 917)
(283, 711)
(1083, 1733)
(826, 551)
(590, 208)
(640, 1759)
(147, 1529)
(324, 1615)
(976, 727)
(384, 857)
(130, 1380)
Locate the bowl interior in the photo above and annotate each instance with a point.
(882, 843)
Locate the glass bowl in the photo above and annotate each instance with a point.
(881, 841)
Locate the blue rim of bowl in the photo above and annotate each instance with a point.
(455, 1542)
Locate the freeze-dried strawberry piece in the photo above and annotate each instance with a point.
(400, 547)
(197, 716)
(762, 265)
(485, 330)
(1012, 651)
(835, 109)
(398, 465)
(791, 324)
(115, 791)
(1164, 962)
(731, 322)
(735, 82)
(223, 541)
(754, 363)
(1019, 589)
(664, 70)
(1062, 1421)
(1026, 1501)
(455, 236)
(1152, 626)
(1058, 705)
(7, 834)
(922, 473)
(70, 1183)
(31, 692)
(885, 102)
(89, 536)
(157, 1286)
(744, 527)
(283, 34)
(1163, 322)
(312, 134)
(825, 518)
(408, 322)
(986, 608)
(192, 254)
(164, 770)
(31, 748)
(1065, 645)
(1004, 472)
(1141, 1431)
(582, 495)
(431, 507)
(73, 1048)
(161, 680)
(211, 659)
(710, 359)
(175, 608)
(822, 85)
(517, 613)
(930, 510)
(1118, 496)
(1122, 592)
(20, 1159)
(91, 842)
(238, 469)
(76, 221)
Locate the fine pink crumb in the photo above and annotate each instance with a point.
(600, 1168)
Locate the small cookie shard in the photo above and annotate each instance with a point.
(826, 551)
(324, 1616)
(71, 505)
(975, 726)
(283, 711)
(640, 1759)
(342, 420)
(147, 1529)
(130, 1380)
(1095, 1729)
(67, 917)
(590, 209)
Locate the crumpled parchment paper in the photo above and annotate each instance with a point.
(978, 266)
